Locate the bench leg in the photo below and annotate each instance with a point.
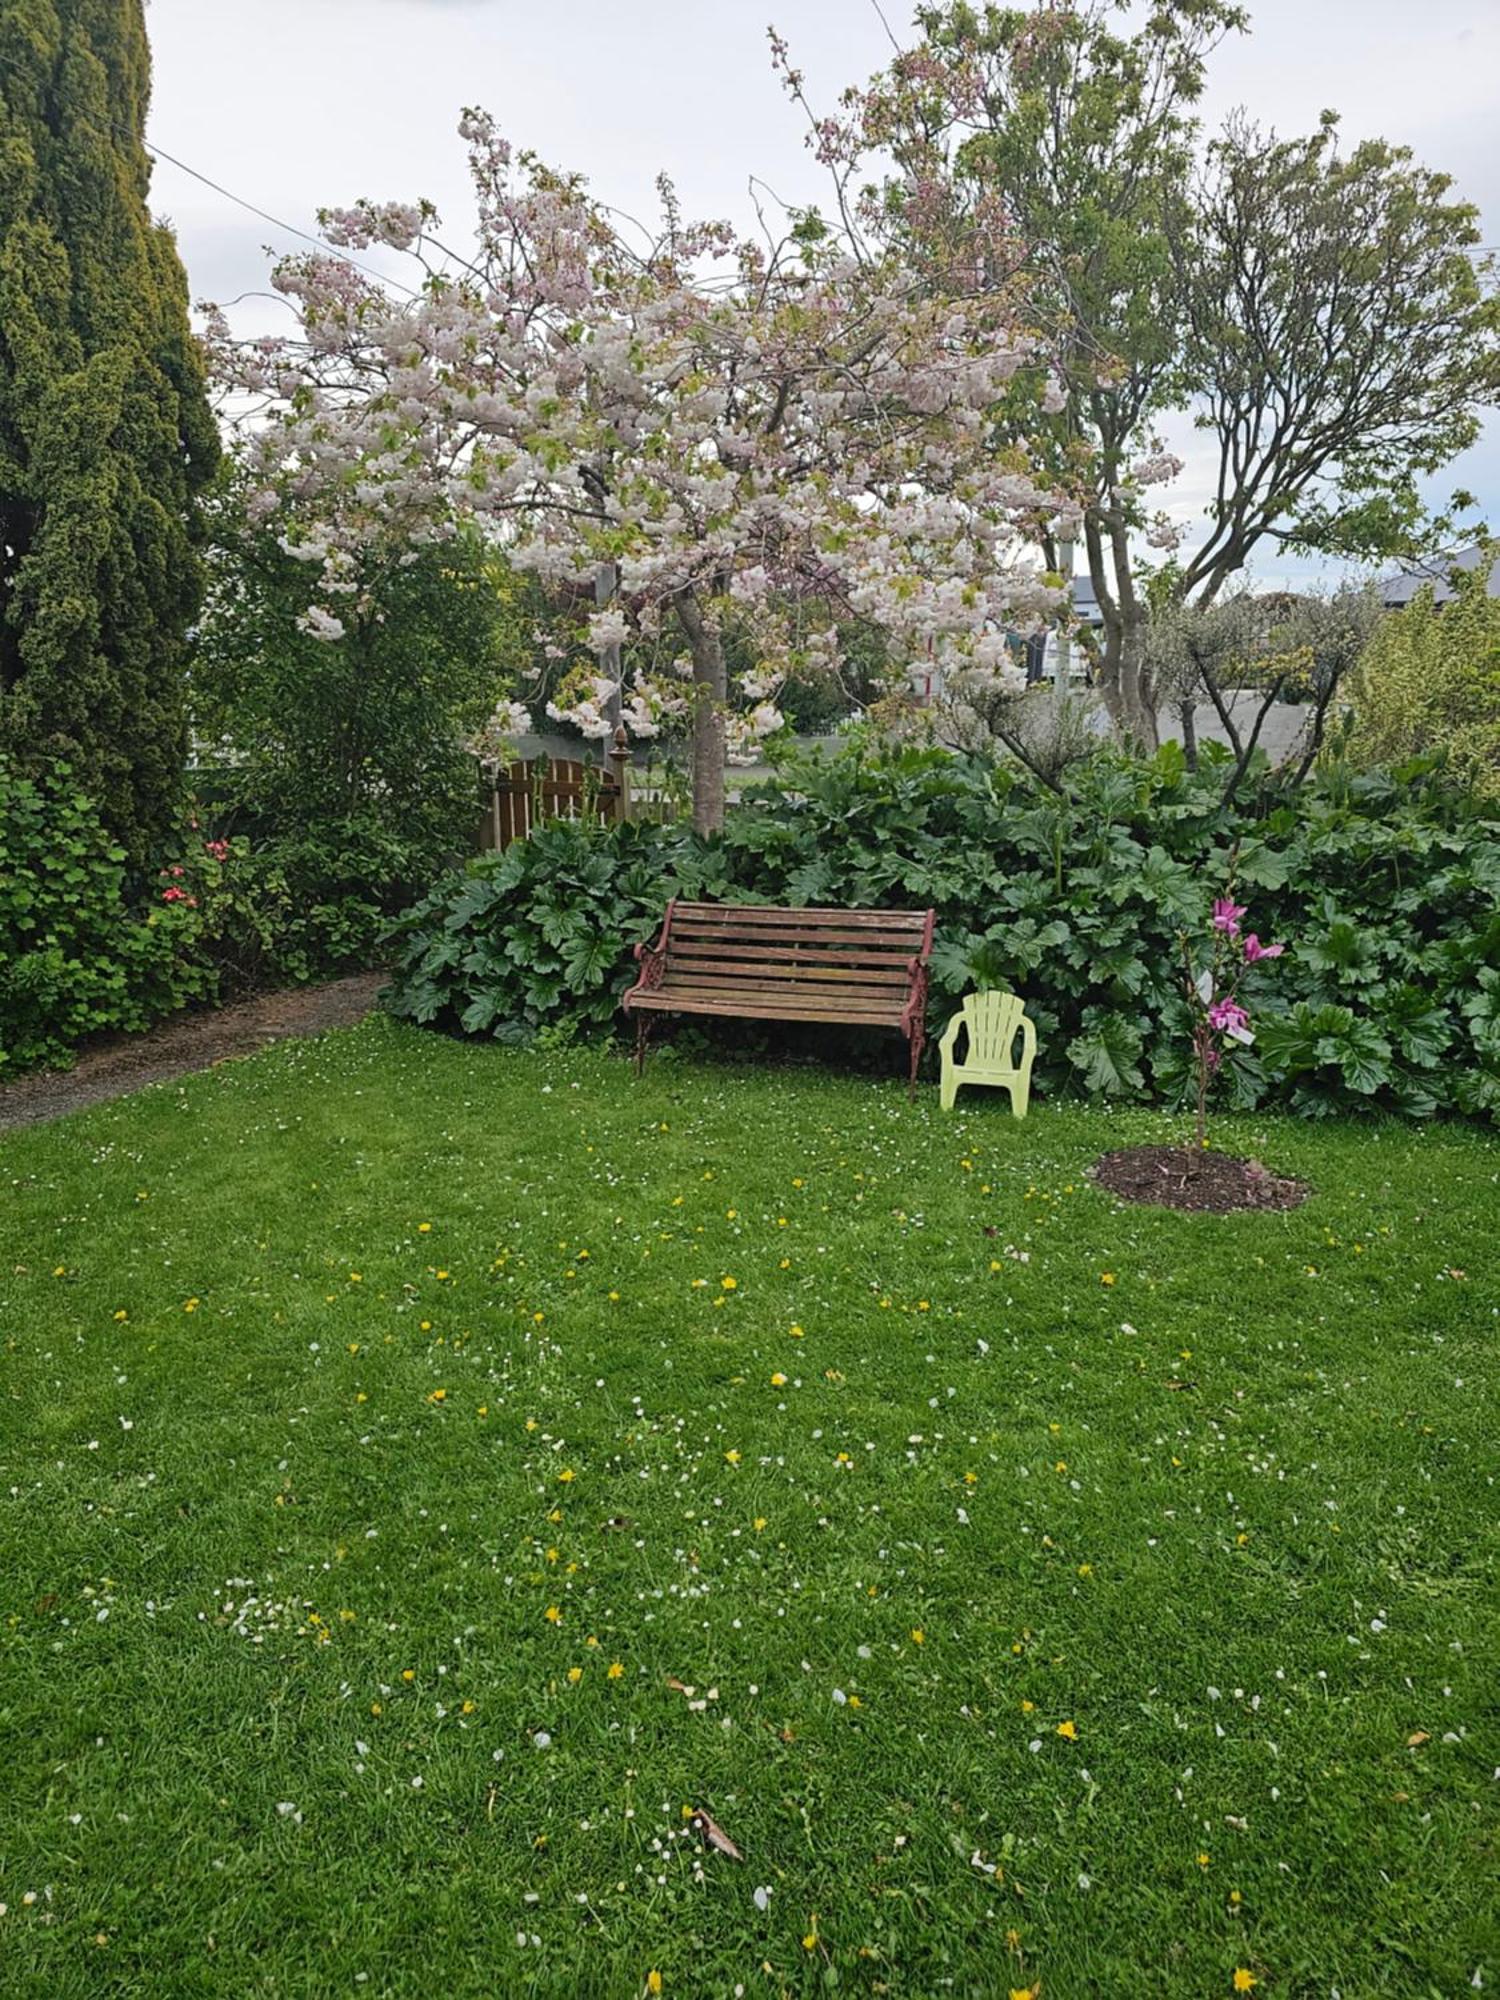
(642, 1030)
(919, 1037)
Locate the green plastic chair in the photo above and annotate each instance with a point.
(992, 1021)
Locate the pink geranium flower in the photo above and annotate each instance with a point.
(1254, 949)
(1227, 914)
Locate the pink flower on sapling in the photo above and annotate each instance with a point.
(1229, 1017)
(1227, 914)
(1254, 949)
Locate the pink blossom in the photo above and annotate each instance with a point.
(1228, 1016)
(1254, 949)
(794, 429)
(1227, 914)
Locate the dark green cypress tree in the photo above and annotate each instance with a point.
(106, 436)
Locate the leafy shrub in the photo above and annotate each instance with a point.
(1385, 890)
(540, 937)
(1430, 682)
(343, 763)
(76, 955)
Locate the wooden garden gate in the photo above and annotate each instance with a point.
(527, 793)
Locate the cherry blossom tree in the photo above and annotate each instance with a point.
(711, 433)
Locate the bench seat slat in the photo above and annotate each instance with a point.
(879, 999)
(768, 1007)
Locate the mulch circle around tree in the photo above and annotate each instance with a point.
(116, 1064)
(1183, 1177)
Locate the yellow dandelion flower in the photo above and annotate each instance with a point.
(1068, 1731)
(575, 1675)
(615, 1670)
(1244, 1981)
(553, 1615)
(730, 1284)
(408, 1674)
(438, 1396)
(759, 1523)
(732, 1457)
(778, 1380)
(918, 1636)
(1106, 1277)
(653, 1981)
(1202, 1860)
(567, 1476)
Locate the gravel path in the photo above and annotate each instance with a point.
(121, 1063)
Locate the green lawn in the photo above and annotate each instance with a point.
(1105, 1599)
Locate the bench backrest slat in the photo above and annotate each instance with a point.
(911, 922)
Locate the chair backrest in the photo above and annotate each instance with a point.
(993, 1020)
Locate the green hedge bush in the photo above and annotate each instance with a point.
(1384, 888)
(78, 954)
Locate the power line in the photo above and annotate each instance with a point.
(156, 152)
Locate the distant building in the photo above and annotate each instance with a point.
(1398, 591)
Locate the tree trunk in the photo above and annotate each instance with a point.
(1123, 678)
(1124, 682)
(1187, 715)
(709, 692)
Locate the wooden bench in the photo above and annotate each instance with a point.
(850, 968)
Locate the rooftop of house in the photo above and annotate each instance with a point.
(1402, 587)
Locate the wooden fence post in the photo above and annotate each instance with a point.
(619, 759)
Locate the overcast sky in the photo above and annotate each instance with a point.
(296, 103)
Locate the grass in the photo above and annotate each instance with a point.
(1103, 1604)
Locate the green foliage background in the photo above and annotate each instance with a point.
(77, 952)
(1383, 887)
(1430, 681)
(342, 765)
